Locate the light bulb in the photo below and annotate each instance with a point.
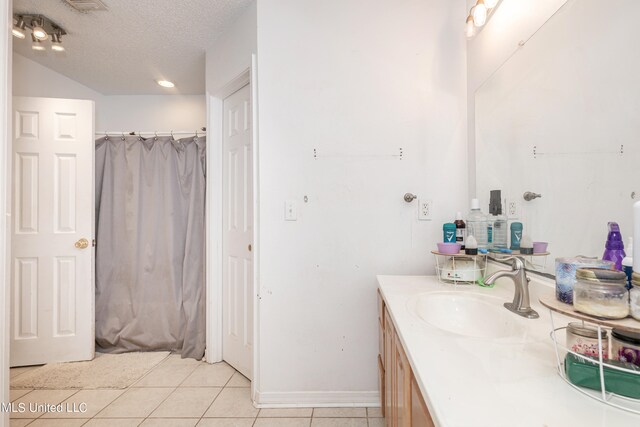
(56, 43)
(480, 13)
(490, 3)
(18, 29)
(166, 83)
(37, 30)
(470, 28)
(36, 44)
(18, 32)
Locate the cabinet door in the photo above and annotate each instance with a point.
(402, 391)
(420, 416)
(381, 381)
(389, 371)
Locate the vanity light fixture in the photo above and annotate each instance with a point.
(41, 28)
(165, 83)
(479, 15)
(18, 29)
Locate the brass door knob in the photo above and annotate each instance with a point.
(82, 243)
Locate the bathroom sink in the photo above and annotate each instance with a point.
(467, 314)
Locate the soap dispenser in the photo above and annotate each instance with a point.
(614, 247)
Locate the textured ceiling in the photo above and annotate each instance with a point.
(124, 50)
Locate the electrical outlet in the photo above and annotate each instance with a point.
(425, 210)
(512, 209)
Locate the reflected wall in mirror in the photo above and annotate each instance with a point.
(561, 117)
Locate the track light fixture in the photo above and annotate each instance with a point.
(41, 28)
(479, 15)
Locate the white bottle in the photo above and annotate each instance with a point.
(477, 224)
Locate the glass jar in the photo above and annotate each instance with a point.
(583, 339)
(634, 302)
(566, 274)
(601, 293)
(625, 346)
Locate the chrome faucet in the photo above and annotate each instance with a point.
(521, 304)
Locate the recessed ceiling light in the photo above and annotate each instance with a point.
(165, 83)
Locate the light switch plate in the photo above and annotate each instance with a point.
(425, 208)
(290, 211)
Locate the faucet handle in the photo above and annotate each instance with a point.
(518, 261)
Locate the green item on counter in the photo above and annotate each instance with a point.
(480, 282)
(584, 373)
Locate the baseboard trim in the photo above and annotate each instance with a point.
(318, 399)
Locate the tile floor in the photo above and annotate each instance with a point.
(181, 393)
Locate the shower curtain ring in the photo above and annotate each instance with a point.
(123, 136)
(156, 136)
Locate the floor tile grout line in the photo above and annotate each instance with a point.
(150, 370)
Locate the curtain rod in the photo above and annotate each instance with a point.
(151, 133)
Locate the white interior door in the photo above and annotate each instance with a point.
(237, 274)
(52, 286)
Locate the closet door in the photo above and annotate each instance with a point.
(52, 284)
(237, 270)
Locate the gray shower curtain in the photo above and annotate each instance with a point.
(150, 253)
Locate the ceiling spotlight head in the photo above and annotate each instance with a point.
(18, 29)
(166, 83)
(36, 44)
(491, 3)
(56, 43)
(38, 30)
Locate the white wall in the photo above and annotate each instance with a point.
(512, 22)
(356, 81)
(230, 55)
(152, 112)
(129, 113)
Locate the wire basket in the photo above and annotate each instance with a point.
(460, 268)
(602, 394)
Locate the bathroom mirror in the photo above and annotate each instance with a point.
(561, 118)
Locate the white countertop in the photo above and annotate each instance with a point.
(491, 382)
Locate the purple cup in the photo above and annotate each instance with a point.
(449, 248)
(540, 247)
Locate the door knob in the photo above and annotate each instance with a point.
(249, 247)
(82, 243)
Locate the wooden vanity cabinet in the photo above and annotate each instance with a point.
(401, 400)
